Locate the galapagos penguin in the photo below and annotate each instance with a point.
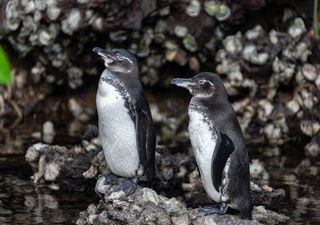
(125, 124)
(218, 144)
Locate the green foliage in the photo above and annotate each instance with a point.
(5, 68)
(315, 19)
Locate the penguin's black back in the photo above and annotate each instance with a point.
(220, 111)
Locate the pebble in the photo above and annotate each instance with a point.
(52, 171)
(48, 132)
(309, 71)
(190, 43)
(90, 173)
(297, 28)
(150, 195)
(119, 195)
(233, 44)
(72, 22)
(194, 8)
(180, 31)
(181, 220)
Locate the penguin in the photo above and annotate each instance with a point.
(125, 123)
(218, 144)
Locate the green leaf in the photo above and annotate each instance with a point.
(5, 68)
(315, 19)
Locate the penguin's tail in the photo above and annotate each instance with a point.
(246, 211)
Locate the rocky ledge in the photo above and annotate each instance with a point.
(77, 168)
(145, 206)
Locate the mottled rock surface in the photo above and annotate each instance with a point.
(68, 169)
(147, 207)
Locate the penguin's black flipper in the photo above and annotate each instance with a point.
(146, 140)
(150, 148)
(141, 131)
(223, 149)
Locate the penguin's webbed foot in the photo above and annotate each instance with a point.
(215, 210)
(128, 186)
(112, 183)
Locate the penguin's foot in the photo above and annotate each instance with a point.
(111, 183)
(128, 186)
(215, 210)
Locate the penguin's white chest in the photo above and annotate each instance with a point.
(203, 139)
(117, 131)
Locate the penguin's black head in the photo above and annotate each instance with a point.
(202, 85)
(117, 60)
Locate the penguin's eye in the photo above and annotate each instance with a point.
(119, 56)
(204, 83)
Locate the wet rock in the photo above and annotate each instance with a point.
(73, 169)
(268, 217)
(149, 212)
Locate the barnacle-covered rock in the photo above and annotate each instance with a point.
(73, 169)
(145, 205)
(281, 61)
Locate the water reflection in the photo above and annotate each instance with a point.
(302, 203)
(22, 203)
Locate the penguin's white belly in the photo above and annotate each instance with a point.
(203, 140)
(117, 131)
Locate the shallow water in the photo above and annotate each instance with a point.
(22, 203)
(302, 201)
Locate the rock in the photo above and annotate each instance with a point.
(72, 22)
(34, 152)
(309, 72)
(222, 220)
(181, 220)
(51, 171)
(193, 8)
(257, 171)
(90, 173)
(67, 168)
(174, 207)
(120, 195)
(233, 44)
(149, 195)
(312, 149)
(268, 217)
(180, 31)
(211, 7)
(48, 132)
(297, 28)
(189, 43)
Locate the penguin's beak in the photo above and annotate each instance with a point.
(107, 56)
(183, 82)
